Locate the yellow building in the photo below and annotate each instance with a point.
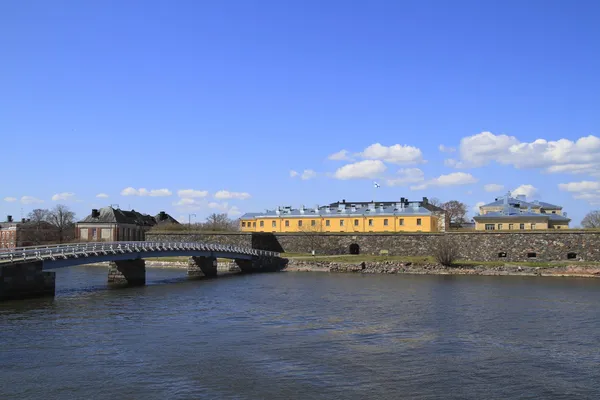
(346, 217)
(515, 213)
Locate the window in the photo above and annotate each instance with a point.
(385, 222)
(243, 224)
(341, 222)
(511, 226)
(299, 222)
(355, 222)
(553, 212)
(94, 235)
(531, 255)
(401, 221)
(273, 224)
(327, 222)
(571, 256)
(287, 223)
(370, 222)
(262, 223)
(419, 221)
(499, 227)
(532, 226)
(557, 226)
(490, 227)
(502, 254)
(313, 222)
(521, 226)
(254, 224)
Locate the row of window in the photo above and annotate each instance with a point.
(492, 227)
(327, 223)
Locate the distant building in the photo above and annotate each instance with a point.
(26, 233)
(516, 213)
(113, 224)
(401, 216)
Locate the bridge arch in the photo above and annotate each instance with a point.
(354, 248)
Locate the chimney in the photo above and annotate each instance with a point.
(9, 218)
(162, 216)
(95, 213)
(22, 220)
(353, 208)
(344, 201)
(302, 209)
(401, 199)
(425, 200)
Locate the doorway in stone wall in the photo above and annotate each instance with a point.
(354, 248)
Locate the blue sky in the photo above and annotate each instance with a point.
(188, 99)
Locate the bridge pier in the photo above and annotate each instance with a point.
(200, 267)
(127, 272)
(26, 280)
(262, 264)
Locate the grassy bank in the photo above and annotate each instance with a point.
(347, 258)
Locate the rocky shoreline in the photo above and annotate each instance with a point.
(393, 267)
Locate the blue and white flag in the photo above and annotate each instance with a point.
(376, 185)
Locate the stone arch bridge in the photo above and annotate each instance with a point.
(23, 271)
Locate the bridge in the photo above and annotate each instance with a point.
(23, 271)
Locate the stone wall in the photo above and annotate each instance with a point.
(478, 246)
(24, 280)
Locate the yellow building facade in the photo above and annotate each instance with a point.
(398, 218)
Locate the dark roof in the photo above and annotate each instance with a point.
(162, 218)
(111, 215)
(422, 203)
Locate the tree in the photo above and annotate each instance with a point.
(456, 212)
(311, 236)
(591, 220)
(434, 201)
(220, 222)
(63, 220)
(37, 231)
(445, 251)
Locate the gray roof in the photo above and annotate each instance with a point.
(111, 215)
(288, 212)
(522, 203)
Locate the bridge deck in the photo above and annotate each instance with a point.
(66, 255)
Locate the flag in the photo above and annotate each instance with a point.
(376, 185)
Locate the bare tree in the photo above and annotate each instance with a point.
(434, 201)
(311, 235)
(456, 212)
(591, 220)
(445, 252)
(63, 220)
(38, 215)
(37, 229)
(220, 222)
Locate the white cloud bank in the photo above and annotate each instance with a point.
(31, 200)
(560, 156)
(129, 191)
(10, 199)
(452, 179)
(191, 193)
(405, 176)
(102, 196)
(65, 196)
(583, 190)
(305, 175)
(224, 194)
(361, 170)
(529, 191)
(342, 155)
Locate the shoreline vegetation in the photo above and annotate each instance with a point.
(371, 264)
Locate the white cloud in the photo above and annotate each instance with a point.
(452, 179)
(360, 170)
(342, 155)
(189, 204)
(493, 187)
(129, 191)
(528, 190)
(10, 199)
(293, 174)
(30, 200)
(65, 196)
(446, 149)
(560, 156)
(584, 190)
(102, 195)
(191, 193)
(396, 154)
(308, 174)
(476, 207)
(225, 208)
(406, 175)
(224, 194)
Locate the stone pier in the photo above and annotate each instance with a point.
(25, 280)
(262, 264)
(127, 272)
(200, 267)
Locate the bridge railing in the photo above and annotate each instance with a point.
(87, 249)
